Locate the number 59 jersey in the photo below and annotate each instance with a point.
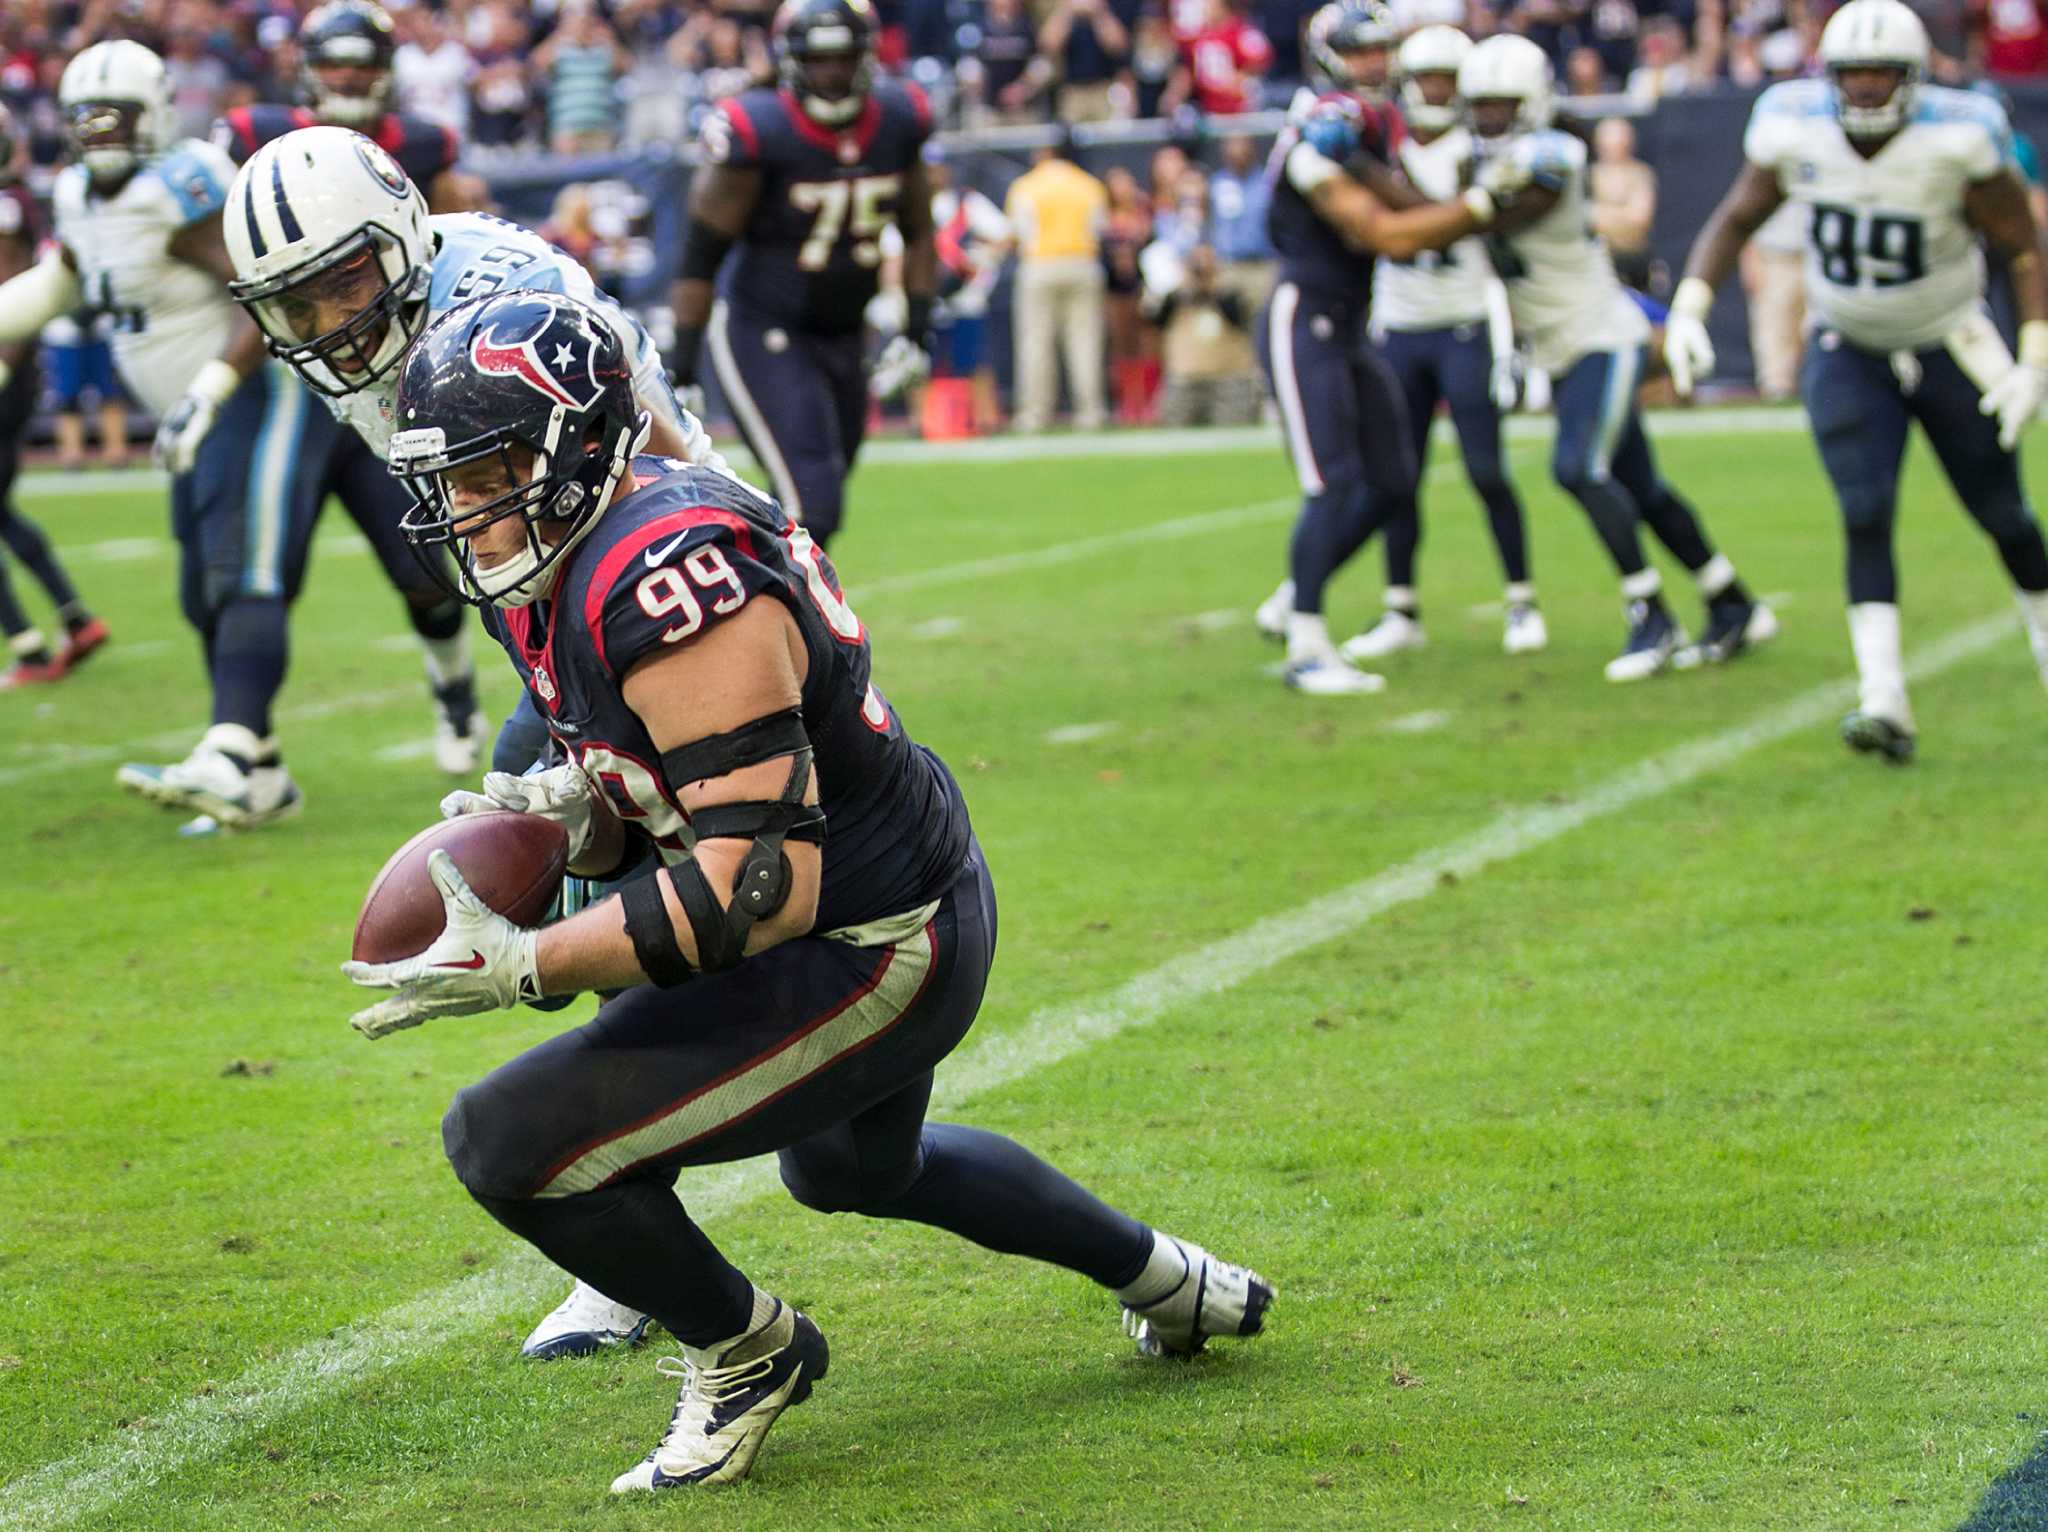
(811, 255)
(1890, 261)
(168, 316)
(684, 552)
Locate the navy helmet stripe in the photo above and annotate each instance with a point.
(287, 219)
(256, 243)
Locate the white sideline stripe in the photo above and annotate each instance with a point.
(1215, 621)
(45, 758)
(1425, 722)
(1080, 733)
(193, 1429)
(409, 750)
(1735, 420)
(938, 627)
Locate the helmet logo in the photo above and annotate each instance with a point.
(381, 167)
(521, 359)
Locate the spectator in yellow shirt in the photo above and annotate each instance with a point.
(1058, 210)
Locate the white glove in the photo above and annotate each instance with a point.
(562, 794)
(1502, 178)
(2017, 397)
(1688, 351)
(691, 397)
(186, 423)
(481, 962)
(902, 364)
(1506, 382)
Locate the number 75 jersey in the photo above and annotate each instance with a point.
(1890, 261)
(811, 255)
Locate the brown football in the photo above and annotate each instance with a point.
(514, 862)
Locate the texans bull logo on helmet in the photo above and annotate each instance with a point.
(495, 354)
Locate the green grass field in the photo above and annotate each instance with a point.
(1663, 1155)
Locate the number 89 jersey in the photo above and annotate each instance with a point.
(682, 553)
(1890, 261)
(810, 257)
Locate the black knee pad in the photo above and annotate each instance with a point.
(840, 1187)
(435, 614)
(482, 1141)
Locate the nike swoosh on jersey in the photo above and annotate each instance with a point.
(656, 557)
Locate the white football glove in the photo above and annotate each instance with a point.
(1502, 178)
(2017, 397)
(1506, 382)
(186, 423)
(481, 962)
(903, 363)
(562, 794)
(1688, 351)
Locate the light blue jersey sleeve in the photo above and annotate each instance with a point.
(197, 175)
(1552, 158)
(480, 255)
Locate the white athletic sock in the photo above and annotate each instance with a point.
(447, 659)
(1880, 663)
(1308, 636)
(1520, 593)
(1400, 598)
(766, 1311)
(1165, 1269)
(1643, 584)
(2034, 610)
(28, 641)
(1714, 576)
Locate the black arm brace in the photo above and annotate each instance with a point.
(762, 884)
(703, 252)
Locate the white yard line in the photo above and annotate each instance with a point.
(195, 1429)
(1425, 722)
(1080, 733)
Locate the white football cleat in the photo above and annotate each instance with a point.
(459, 747)
(732, 1393)
(1185, 1295)
(1525, 631)
(1326, 675)
(1394, 633)
(213, 781)
(583, 1323)
(1271, 616)
(1654, 636)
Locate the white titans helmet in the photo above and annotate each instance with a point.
(1875, 34)
(1430, 50)
(1509, 68)
(117, 108)
(332, 255)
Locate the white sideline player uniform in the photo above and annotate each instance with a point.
(1438, 288)
(1891, 262)
(475, 255)
(1566, 300)
(169, 318)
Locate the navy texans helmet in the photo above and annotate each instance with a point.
(811, 33)
(1345, 28)
(346, 49)
(529, 395)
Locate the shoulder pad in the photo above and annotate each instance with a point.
(198, 175)
(729, 134)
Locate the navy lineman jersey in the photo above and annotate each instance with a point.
(1311, 254)
(811, 255)
(684, 552)
(423, 148)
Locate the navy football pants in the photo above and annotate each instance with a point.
(1860, 412)
(815, 1050)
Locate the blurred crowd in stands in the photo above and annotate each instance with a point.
(588, 76)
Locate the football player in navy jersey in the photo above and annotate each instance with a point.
(816, 937)
(345, 51)
(800, 182)
(30, 659)
(1335, 209)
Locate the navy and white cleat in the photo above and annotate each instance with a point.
(731, 1395)
(583, 1324)
(1395, 633)
(1325, 675)
(1653, 638)
(1875, 734)
(1185, 1295)
(1732, 627)
(218, 781)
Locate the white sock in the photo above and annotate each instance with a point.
(1308, 636)
(1643, 584)
(235, 739)
(28, 641)
(447, 659)
(1880, 665)
(766, 1310)
(2034, 609)
(1400, 598)
(1520, 593)
(1714, 576)
(1165, 1269)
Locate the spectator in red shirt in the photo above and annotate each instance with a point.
(2015, 38)
(1221, 65)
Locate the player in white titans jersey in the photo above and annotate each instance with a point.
(1901, 179)
(1588, 334)
(139, 238)
(1441, 321)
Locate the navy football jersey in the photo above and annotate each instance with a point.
(681, 554)
(1310, 253)
(811, 254)
(422, 147)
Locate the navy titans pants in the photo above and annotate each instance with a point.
(1348, 431)
(18, 535)
(816, 1050)
(1861, 410)
(801, 400)
(1454, 367)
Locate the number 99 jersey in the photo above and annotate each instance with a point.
(1890, 261)
(682, 553)
(810, 257)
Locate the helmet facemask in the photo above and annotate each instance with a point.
(1420, 111)
(343, 317)
(1884, 119)
(355, 99)
(108, 138)
(838, 98)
